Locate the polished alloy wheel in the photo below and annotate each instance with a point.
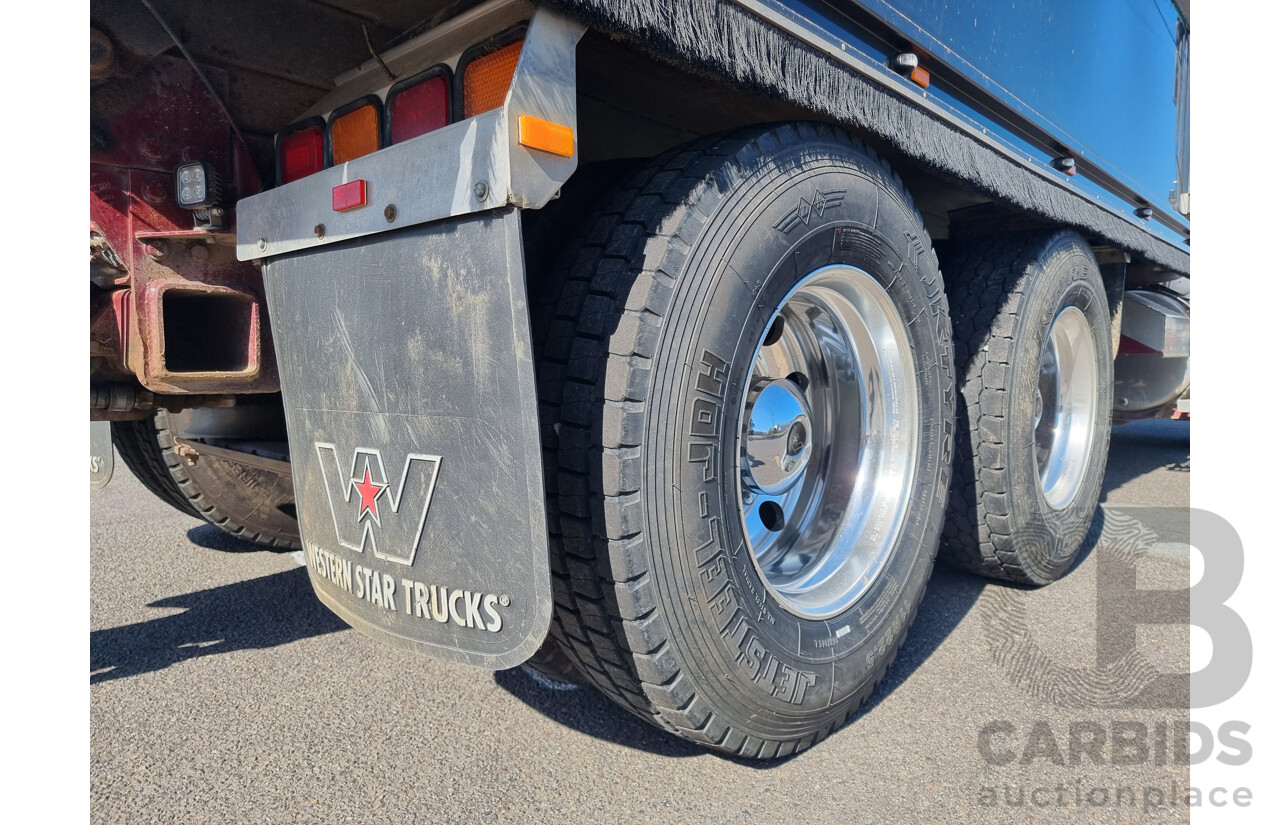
(828, 441)
(1066, 404)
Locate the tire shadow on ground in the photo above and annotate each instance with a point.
(211, 538)
(264, 612)
(588, 711)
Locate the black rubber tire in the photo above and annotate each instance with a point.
(248, 503)
(1005, 293)
(140, 445)
(690, 257)
(550, 661)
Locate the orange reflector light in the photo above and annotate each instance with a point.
(354, 134)
(920, 76)
(537, 133)
(485, 80)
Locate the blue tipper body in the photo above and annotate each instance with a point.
(1101, 81)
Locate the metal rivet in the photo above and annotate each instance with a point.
(504, 600)
(482, 189)
(319, 230)
(262, 243)
(198, 252)
(390, 213)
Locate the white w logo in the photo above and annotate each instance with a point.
(363, 499)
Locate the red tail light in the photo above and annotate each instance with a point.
(419, 104)
(301, 152)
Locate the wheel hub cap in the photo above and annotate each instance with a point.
(1067, 401)
(777, 441)
(828, 441)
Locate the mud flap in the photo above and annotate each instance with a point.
(407, 374)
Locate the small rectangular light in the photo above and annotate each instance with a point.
(196, 185)
(348, 195)
(486, 79)
(418, 105)
(355, 132)
(920, 76)
(537, 133)
(301, 152)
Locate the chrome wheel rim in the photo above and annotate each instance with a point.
(1065, 407)
(828, 440)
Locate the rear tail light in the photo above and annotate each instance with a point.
(415, 106)
(300, 151)
(355, 130)
(487, 74)
(418, 105)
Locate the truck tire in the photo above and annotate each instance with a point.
(778, 279)
(139, 445)
(551, 662)
(249, 503)
(1033, 346)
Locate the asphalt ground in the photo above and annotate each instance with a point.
(221, 691)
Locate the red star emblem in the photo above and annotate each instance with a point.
(369, 493)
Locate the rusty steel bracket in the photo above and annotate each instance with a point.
(191, 450)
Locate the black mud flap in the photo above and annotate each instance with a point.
(407, 374)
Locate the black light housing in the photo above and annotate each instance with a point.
(196, 185)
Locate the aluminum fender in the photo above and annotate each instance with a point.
(466, 167)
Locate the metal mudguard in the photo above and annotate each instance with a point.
(407, 374)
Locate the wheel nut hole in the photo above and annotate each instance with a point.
(771, 516)
(800, 380)
(775, 332)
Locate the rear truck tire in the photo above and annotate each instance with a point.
(747, 398)
(1033, 346)
(552, 662)
(250, 503)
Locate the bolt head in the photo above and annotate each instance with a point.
(482, 189)
(152, 148)
(155, 193)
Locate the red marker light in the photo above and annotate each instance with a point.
(301, 153)
(348, 195)
(419, 107)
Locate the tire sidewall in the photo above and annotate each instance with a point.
(1049, 540)
(794, 212)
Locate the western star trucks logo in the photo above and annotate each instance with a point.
(368, 511)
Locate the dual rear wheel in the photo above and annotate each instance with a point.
(749, 406)
(748, 398)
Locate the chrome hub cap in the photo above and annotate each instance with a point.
(777, 442)
(1067, 401)
(828, 441)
